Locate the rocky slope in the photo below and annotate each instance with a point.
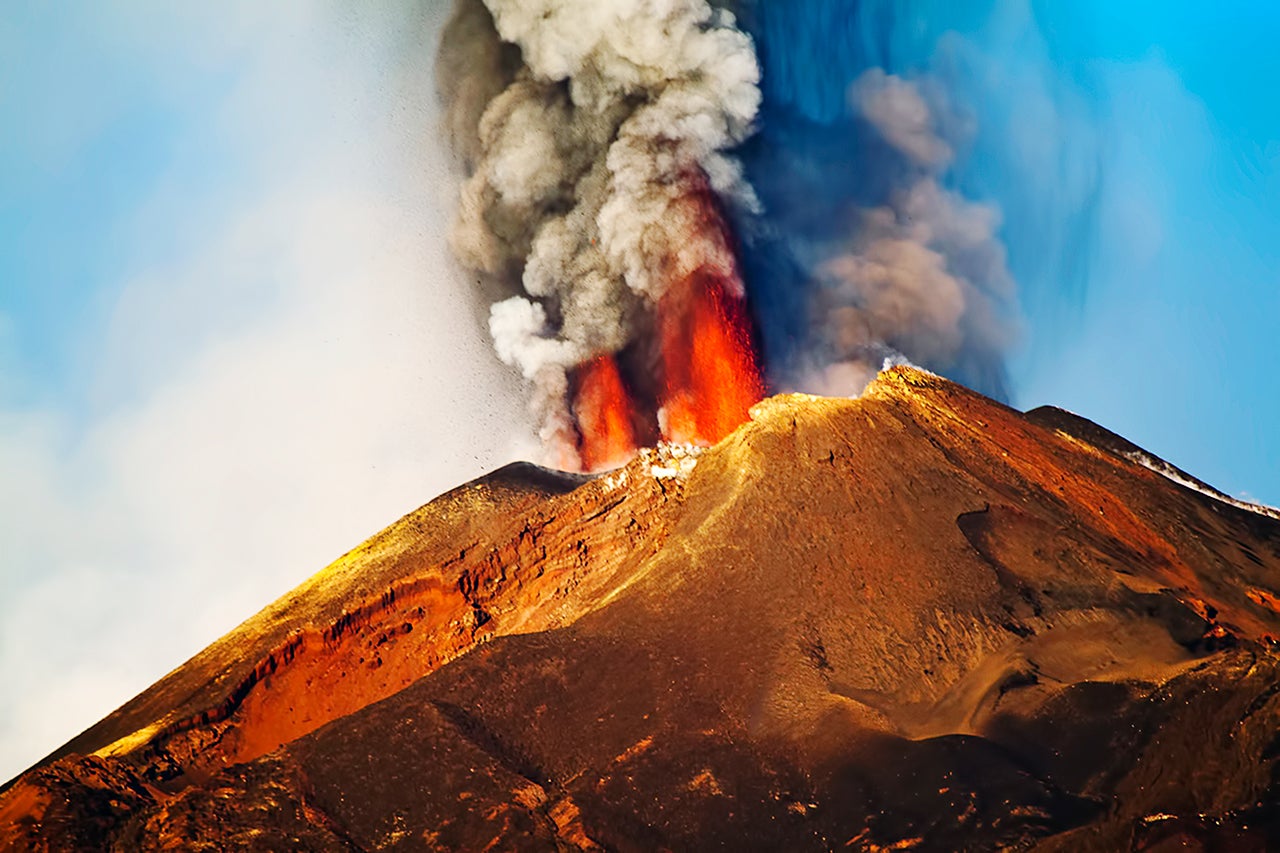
(916, 620)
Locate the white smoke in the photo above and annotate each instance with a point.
(587, 165)
(924, 275)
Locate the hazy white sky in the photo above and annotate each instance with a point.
(232, 344)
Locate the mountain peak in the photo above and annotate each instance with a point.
(913, 619)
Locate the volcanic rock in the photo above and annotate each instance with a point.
(914, 620)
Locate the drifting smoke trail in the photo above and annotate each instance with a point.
(870, 252)
(639, 271)
(921, 272)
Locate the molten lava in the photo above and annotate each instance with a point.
(699, 376)
(711, 374)
(602, 408)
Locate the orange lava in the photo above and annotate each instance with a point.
(696, 379)
(711, 376)
(602, 408)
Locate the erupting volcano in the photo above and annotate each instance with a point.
(899, 616)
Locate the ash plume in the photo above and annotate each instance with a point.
(922, 273)
(583, 164)
(613, 149)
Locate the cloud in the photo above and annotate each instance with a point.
(282, 373)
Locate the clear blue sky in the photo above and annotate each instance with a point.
(216, 225)
(1177, 341)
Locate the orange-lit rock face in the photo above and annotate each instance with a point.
(711, 377)
(603, 411)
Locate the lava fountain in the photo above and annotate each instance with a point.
(711, 377)
(603, 412)
(701, 357)
(710, 372)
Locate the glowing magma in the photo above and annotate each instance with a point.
(710, 374)
(603, 410)
(698, 376)
(711, 377)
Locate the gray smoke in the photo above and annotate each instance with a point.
(922, 276)
(590, 132)
(583, 156)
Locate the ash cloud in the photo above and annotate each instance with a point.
(888, 133)
(922, 274)
(587, 131)
(600, 121)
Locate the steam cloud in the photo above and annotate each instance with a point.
(590, 132)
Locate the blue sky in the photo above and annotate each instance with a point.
(88, 139)
(1134, 150)
(230, 337)
(1175, 343)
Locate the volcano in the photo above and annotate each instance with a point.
(913, 620)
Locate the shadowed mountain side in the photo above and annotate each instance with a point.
(918, 619)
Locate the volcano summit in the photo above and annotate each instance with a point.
(913, 620)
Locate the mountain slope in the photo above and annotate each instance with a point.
(916, 619)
